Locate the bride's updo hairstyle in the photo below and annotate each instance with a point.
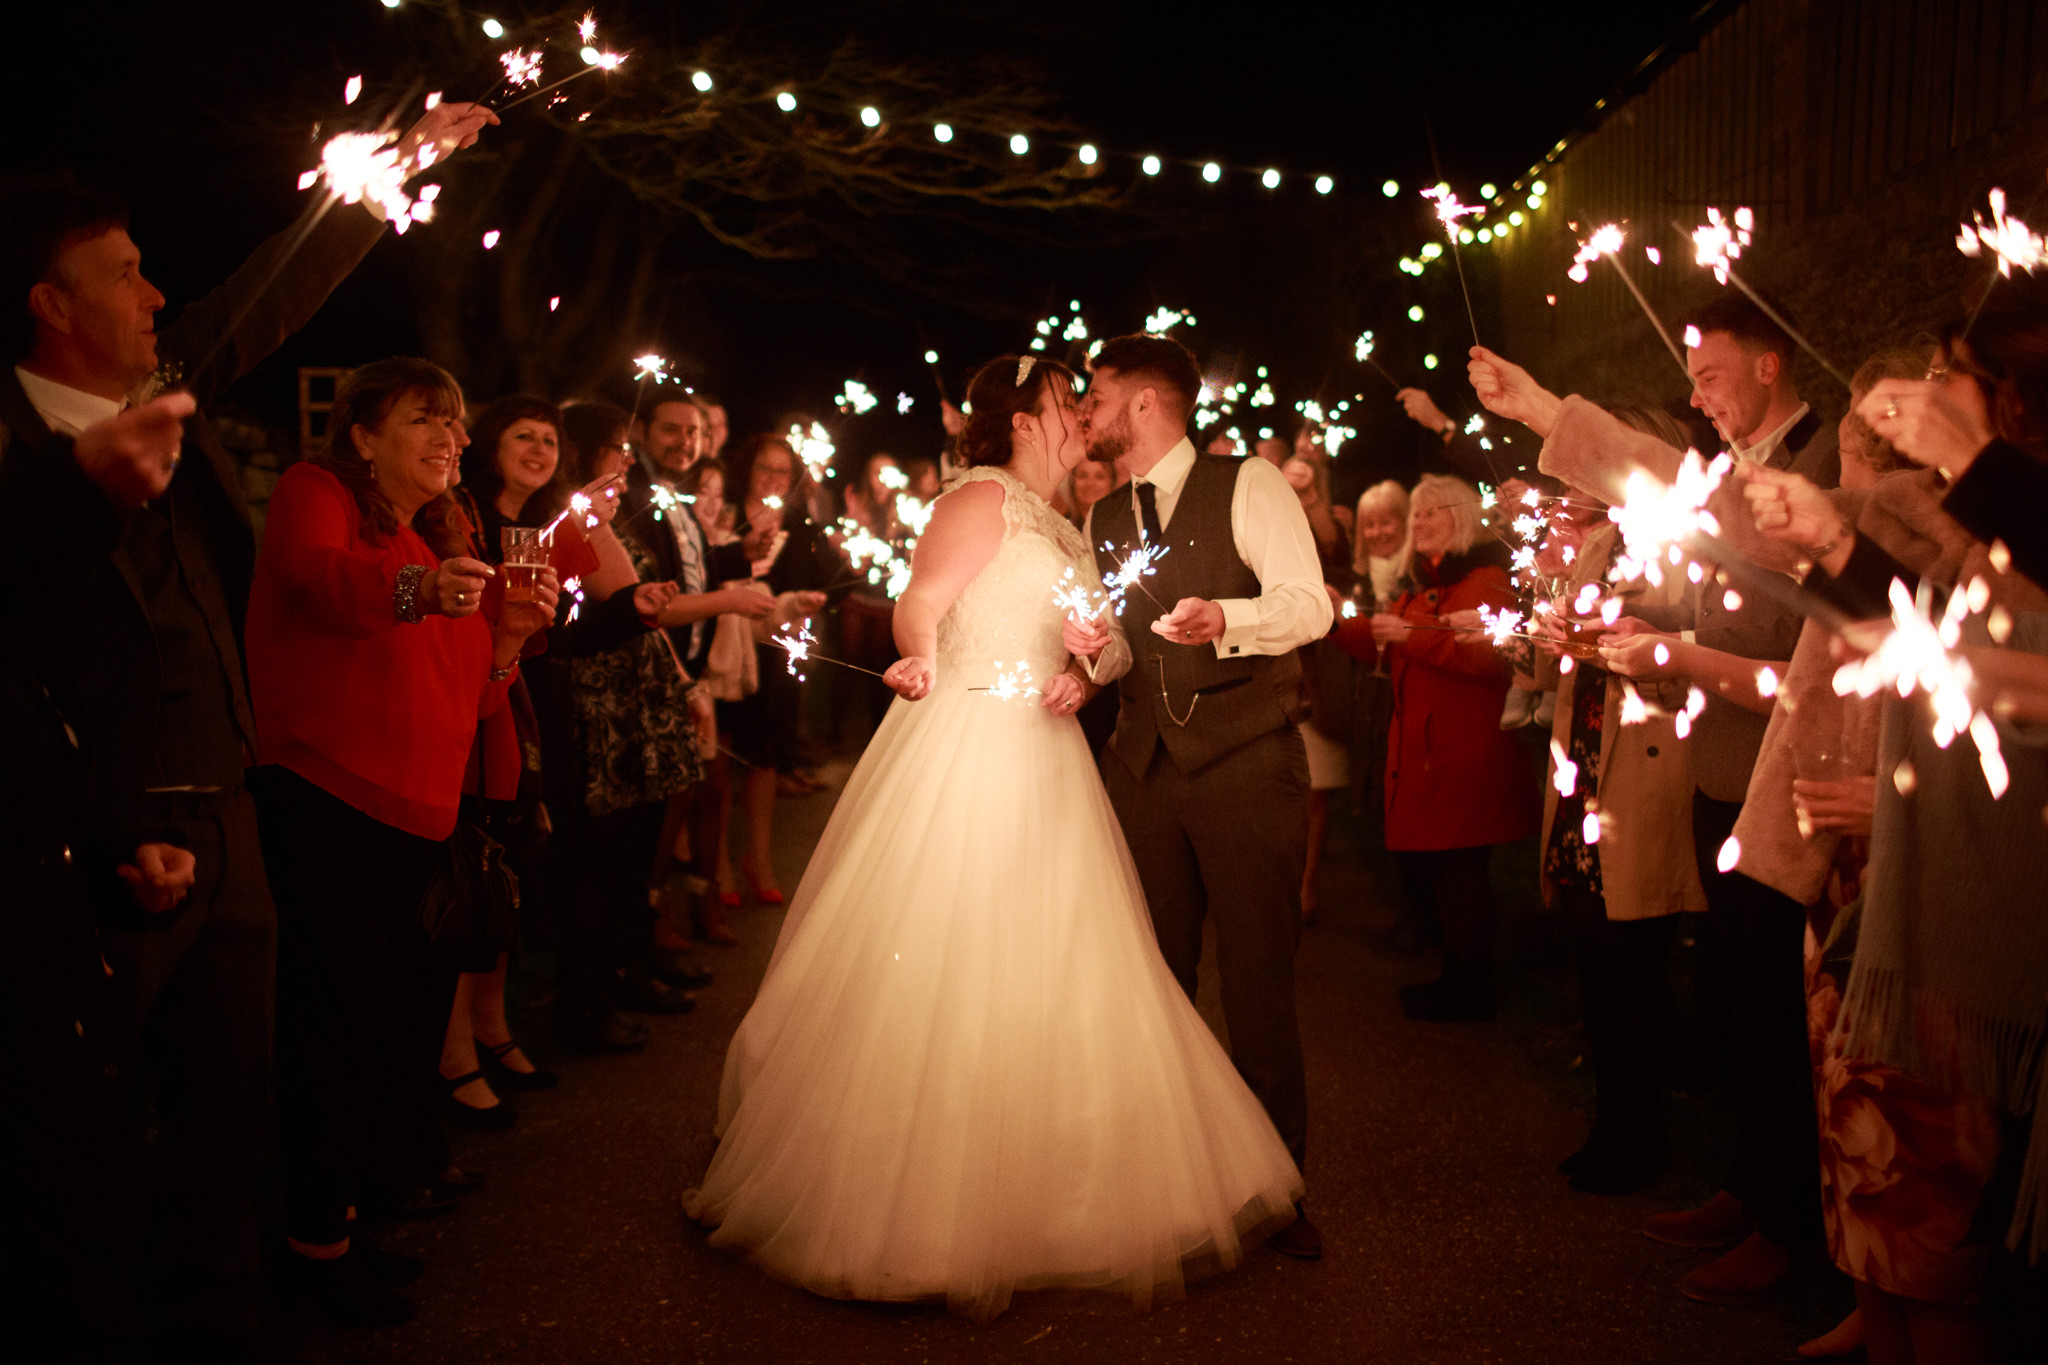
(995, 395)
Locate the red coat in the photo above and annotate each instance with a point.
(1454, 778)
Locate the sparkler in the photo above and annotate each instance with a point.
(1716, 245)
(855, 397)
(1011, 684)
(1164, 320)
(1077, 599)
(1607, 241)
(1363, 350)
(594, 59)
(815, 447)
(1448, 212)
(1918, 654)
(1131, 571)
(2008, 240)
(799, 644)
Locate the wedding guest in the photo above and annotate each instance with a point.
(763, 730)
(607, 783)
(1617, 864)
(370, 662)
(66, 1174)
(871, 500)
(718, 429)
(1721, 641)
(1376, 559)
(1327, 672)
(1086, 486)
(1456, 785)
(865, 616)
(924, 478)
(1271, 449)
(1943, 943)
(147, 646)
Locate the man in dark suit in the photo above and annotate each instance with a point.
(1206, 769)
(145, 647)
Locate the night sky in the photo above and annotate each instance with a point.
(199, 113)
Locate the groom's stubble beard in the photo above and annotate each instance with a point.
(1107, 445)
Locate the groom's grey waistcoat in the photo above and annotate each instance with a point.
(1224, 703)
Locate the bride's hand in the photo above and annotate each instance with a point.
(911, 679)
(1064, 695)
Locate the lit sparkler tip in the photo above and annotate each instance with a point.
(521, 68)
(587, 29)
(1165, 319)
(855, 397)
(651, 366)
(352, 90)
(1364, 347)
(2009, 239)
(1729, 856)
(1448, 209)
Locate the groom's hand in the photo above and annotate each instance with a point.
(1085, 636)
(1193, 621)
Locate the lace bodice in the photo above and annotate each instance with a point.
(1007, 615)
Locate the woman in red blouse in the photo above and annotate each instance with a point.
(1456, 783)
(370, 662)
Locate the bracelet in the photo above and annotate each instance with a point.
(1816, 553)
(405, 594)
(500, 674)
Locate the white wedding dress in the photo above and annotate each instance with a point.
(968, 1070)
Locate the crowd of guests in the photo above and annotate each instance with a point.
(494, 683)
(1869, 979)
(501, 678)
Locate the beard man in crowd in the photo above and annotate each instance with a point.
(143, 647)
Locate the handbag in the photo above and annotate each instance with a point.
(471, 906)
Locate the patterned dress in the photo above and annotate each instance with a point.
(633, 718)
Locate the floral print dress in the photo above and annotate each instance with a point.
(1568, 860)
(633, 717)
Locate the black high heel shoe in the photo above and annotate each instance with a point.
(492, 1055)
(496, 1118)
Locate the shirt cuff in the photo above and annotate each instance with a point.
(1691, 637)
(1240, 627)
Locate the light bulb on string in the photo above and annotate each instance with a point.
(1391, 188)
(1212, 172)
(1324, 184)
(942, 132)
(493, 29)
(1019, 144)
(702, 80)
(1150, 165)
(1271, 179)
(786, 102)
(872, 118)
(1088, 154)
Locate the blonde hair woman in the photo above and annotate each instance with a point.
(1455, 785)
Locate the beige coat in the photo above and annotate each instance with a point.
(1646, 784)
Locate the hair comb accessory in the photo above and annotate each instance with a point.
(1024, 364)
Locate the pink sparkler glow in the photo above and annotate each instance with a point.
(521, 68)
(369, 166)
(587, 29)
(1719, 241)
(1918, 655)
(1692, 337)
(1448, 209)
(352, 90)
(1655, 517)
(798, 643)
(1605, 241)
(1502, 626)
(2008, 239)
(1565, 777)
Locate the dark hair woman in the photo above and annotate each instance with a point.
(370, 661)
(769, 485)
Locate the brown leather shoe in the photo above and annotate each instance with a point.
(1720, 1222)
(1747, 1274)
(1299, 1238)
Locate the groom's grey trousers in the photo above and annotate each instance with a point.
(1230, 841)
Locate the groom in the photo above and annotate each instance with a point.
(1206, 769)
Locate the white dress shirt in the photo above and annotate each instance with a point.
(1271, 535)
(69, 411)
(1761, 449)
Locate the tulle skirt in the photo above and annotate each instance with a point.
(969, 1071)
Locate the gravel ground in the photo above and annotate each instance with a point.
(1449, 1235)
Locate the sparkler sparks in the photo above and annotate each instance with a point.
(1077, 599)
(815, 447)
(855, 397)
(1605, 241)
(521, 68)
(370, 166)
(904, 402)
(1166, 319)
(800, 643)
(1502, 626)
(1130, 572)
(1719, 241)
(651, 366)
(1448, 212)
(1013, 684)
(2008, 239)
(1655, 518)
(1918, 655)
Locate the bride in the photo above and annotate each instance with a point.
(968, 1070)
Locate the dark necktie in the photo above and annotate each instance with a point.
(1148, 511)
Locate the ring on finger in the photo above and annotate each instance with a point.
(1891, 409)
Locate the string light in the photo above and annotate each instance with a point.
(1391, 188)
(941, 131)
(872, 117)
(1271, 179)
(1087, 154)
(1212, 172)
(786, 102)
(1019, 144)
(493, 29)
(1150, 165)
(1324, 184)
(702, 80)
